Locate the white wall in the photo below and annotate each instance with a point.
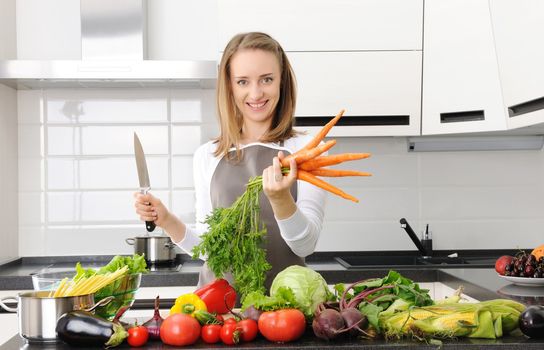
(48, 30)
(471, 200)
(8, 173)
(78, 199)
(177, 30)
(8, 40)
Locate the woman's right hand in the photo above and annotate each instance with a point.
(150, 208)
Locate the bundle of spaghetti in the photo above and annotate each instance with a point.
(87, 285)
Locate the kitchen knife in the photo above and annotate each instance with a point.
(143, 176)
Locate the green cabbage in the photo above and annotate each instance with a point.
(308, 286)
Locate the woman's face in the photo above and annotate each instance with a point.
(255, 80)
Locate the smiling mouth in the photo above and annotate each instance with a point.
(257, 105)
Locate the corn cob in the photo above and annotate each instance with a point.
(489, 319)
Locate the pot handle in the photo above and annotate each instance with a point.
(102, 302)
(169, 244)
(130, 241)
(5, 307)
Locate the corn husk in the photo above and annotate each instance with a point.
(490, 320)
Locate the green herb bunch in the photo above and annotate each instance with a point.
(234, 241)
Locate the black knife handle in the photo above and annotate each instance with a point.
(150, 226)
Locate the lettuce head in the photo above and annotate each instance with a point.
(308, 286)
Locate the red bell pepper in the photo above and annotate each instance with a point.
(219, 296)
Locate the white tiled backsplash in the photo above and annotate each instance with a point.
(77, 174)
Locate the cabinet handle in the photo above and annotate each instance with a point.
(526, 107)
(362, 120)
(465, 116)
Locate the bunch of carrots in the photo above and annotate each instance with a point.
(236, 234)
(311, 163)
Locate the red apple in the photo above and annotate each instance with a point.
(500, 264)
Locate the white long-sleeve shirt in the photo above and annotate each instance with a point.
(300, 231)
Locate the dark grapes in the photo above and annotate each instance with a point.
(525, 265)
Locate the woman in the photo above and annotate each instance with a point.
(256, 96)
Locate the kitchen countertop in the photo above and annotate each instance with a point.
(309, 341)
(479, 283)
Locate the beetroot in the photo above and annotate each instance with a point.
(355, 321)
(328, 324)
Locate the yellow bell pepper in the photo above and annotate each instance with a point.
(188, 304)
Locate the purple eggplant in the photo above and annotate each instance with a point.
(531, 321)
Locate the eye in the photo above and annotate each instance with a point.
(242, 82)
(267, 80)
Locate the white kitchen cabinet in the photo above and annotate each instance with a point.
(518, 27)
(461, 86)
(327, 25)
(380, 91)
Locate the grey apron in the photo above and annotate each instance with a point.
(228, 183)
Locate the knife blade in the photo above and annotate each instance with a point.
(143, 175)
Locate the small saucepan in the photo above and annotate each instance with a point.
(156, 249)
(38, 312)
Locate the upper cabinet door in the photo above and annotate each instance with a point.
(327, 25)
(461, 86)
(380, 91)
(519, 30)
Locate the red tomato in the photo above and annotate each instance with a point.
(248, 329)
(137, 336)
(230, 334)
(179, 330)
(211, 333)
(220, 319)
(282, 325)
(230, 320)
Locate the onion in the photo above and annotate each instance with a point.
(153, 325)
(252, 313)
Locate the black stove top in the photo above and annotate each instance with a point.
(164, 267)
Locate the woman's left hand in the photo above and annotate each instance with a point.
(276, 185)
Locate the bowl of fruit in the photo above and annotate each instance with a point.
(523, 269)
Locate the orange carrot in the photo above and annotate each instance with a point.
(303, 156)
(323, 132)
(333, 159)
(337, 173)
(306, 176)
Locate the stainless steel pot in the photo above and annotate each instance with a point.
(156, 249)
(38, 313)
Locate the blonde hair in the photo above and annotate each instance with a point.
(230, 117)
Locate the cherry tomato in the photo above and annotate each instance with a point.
(137, 336)
(230, 320)
(230, 334)
(282, 325)
(211, 333)
(179, 330)
(248, 329)
(220, 319)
